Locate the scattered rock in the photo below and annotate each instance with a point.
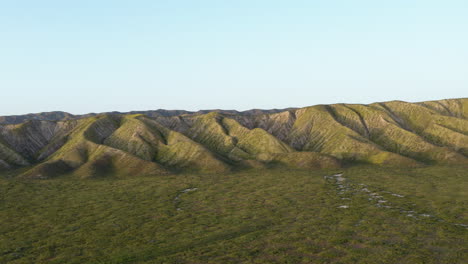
(344, 187)
(189, 190)
(177, 198)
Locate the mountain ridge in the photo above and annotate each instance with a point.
(60, 115)
(394, 133)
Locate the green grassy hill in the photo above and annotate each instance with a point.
(343, 183)
(324, 136)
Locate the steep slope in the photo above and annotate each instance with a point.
(32, 141)
(35, 140)
(279, 124)
(317, 129)
(148, 140)
(450, 107)
(245, 146)
(83, 154)
(227, 137)
(324, 136)
(9, 158)
(449, 131)
(379, 125)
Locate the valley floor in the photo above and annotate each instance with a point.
(362, 214)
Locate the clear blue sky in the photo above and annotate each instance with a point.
(102, 55)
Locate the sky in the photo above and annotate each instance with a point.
(112, 55)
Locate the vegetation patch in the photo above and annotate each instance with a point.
(252, 216)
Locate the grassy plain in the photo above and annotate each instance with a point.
(256, 216)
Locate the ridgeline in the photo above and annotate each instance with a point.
(163, 142)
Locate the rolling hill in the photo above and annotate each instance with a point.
(163, 142)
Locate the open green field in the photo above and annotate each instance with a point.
(368, 215)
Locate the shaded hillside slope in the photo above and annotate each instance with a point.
(324, 136)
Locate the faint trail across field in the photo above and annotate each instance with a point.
(346, 189)
(177, 198)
